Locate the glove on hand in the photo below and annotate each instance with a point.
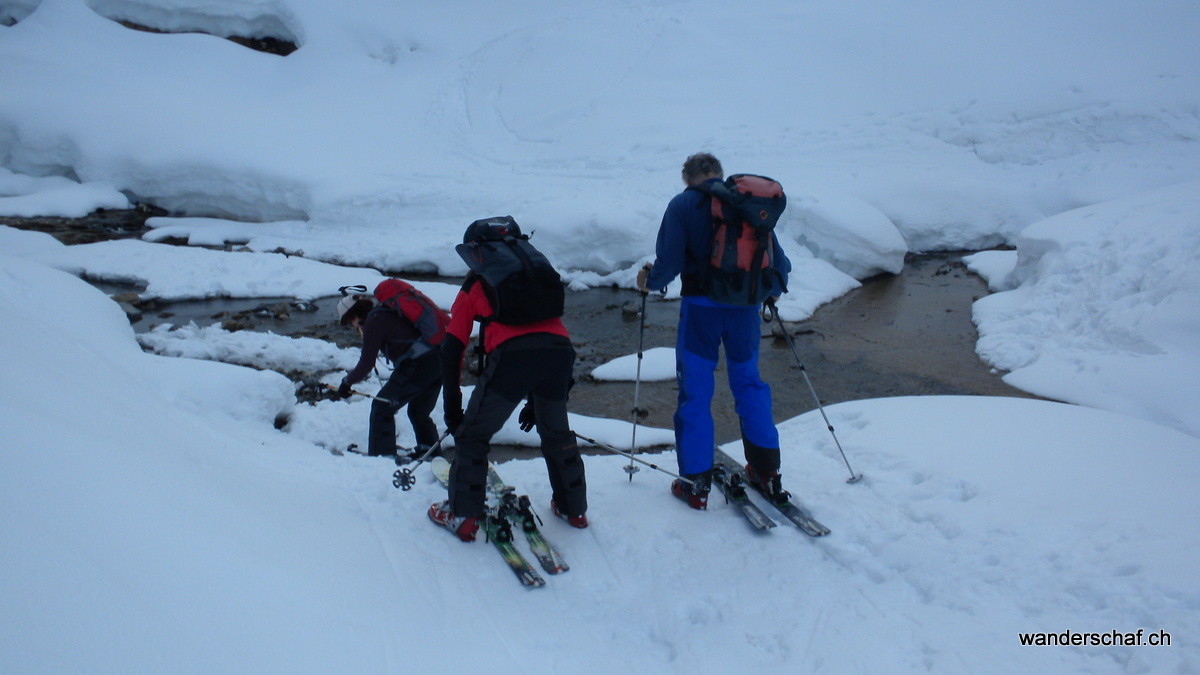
(343, 390)
(528, 417)
(453, 418)
(452, 408)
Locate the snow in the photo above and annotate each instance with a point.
(155, 518)
(176, 273)
(20, 242)
(995, 267)
(851, 234)
(979, 518)
(1105, 313)
(958, 126)
(248, 348)
(657, 364)
(214, 231)
(26, 196)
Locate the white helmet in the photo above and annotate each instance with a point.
(350, 302)
(344, 306)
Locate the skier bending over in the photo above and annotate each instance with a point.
(533, 360)
(415, 380)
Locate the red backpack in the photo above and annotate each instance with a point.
(417, 308)
(741, 268)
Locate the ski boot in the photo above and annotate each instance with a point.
(463, 527)
(694, 494)
(771, 485)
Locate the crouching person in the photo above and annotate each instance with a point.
(416, 374)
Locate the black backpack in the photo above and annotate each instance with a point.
(520, 282)
(741, 266)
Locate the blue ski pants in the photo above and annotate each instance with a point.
(704, 326)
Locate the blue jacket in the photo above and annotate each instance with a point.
(684, 238)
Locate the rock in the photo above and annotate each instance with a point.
(304, 305)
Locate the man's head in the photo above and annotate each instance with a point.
(700, 167)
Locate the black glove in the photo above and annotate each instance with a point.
(528, 417)
(453, 418)
(343, 390)
(452, 408)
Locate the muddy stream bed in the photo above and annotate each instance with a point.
(896, 335)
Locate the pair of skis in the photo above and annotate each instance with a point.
(505, 510)
(731, 479)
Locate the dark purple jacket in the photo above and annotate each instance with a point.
(384, 331)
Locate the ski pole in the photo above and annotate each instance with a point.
(359, 393)
(608, 448)
(769, 313)
(638, 413)
(404, 479)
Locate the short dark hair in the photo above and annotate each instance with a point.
(701, 165)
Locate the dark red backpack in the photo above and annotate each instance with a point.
(741, 267)
(429, 319)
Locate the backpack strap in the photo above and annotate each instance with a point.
(480, 354)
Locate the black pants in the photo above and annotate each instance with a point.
(537, 366)
(415, 383)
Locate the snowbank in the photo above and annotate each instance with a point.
(248, 348)
(16, 242)
(1105, 310)
(26, 197)
(388, 131)
(50, 308)
(177, 273)
(657, 364)
(850, 234)
(996, 267)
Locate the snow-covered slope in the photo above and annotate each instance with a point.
(155, 520)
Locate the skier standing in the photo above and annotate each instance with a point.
(684, 247)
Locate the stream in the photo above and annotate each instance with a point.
(897, 335)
